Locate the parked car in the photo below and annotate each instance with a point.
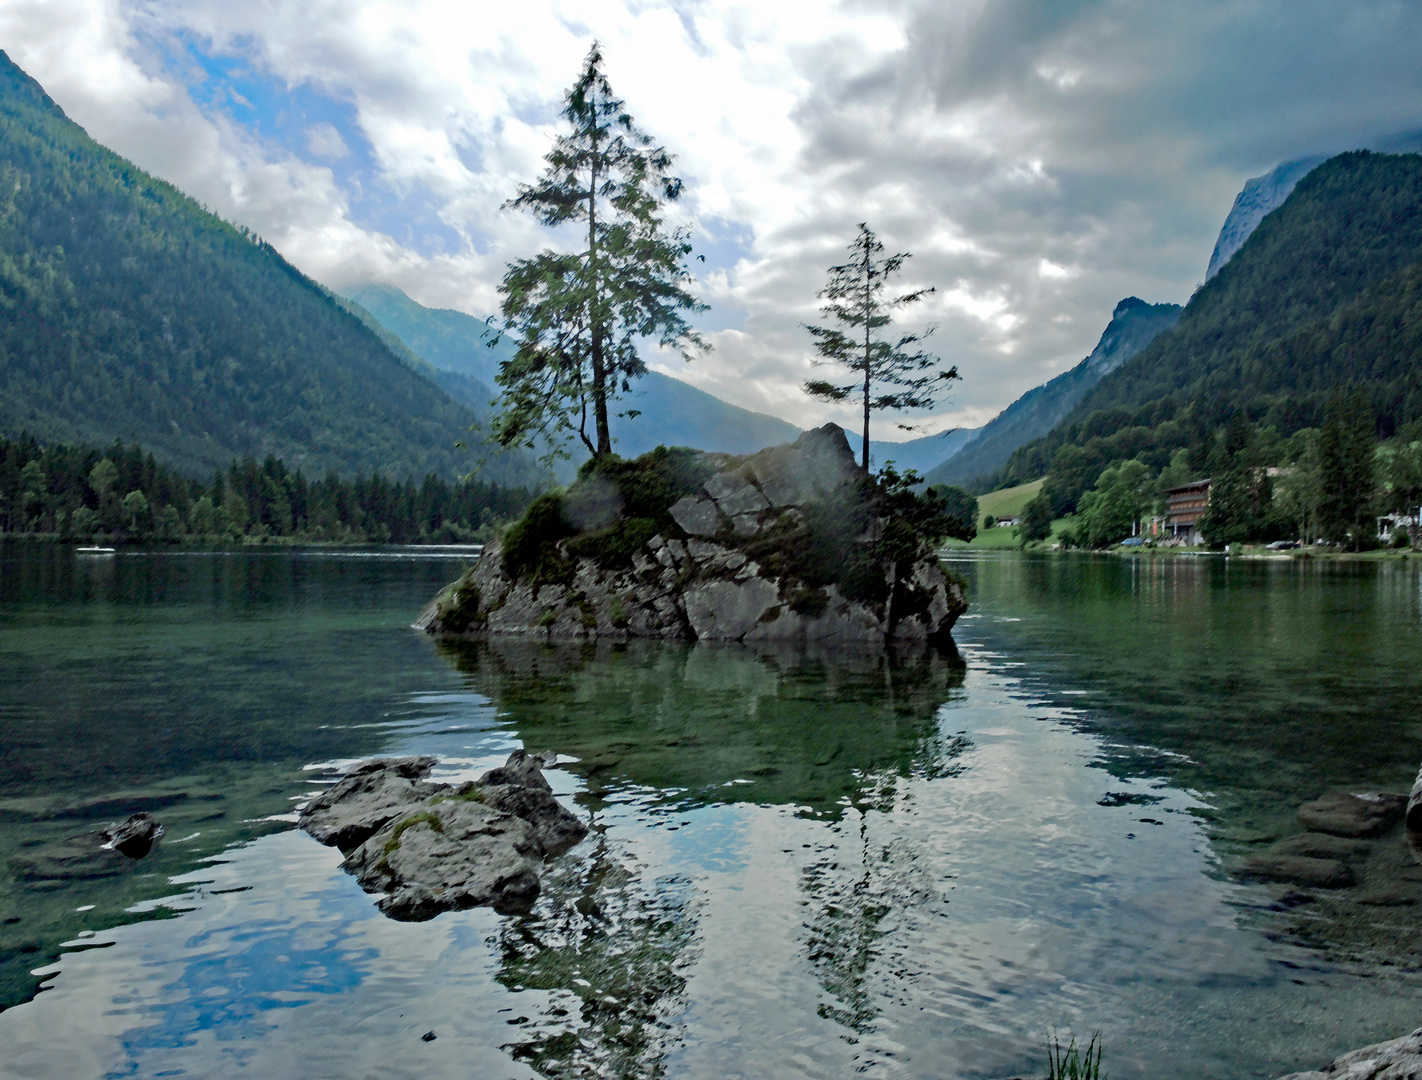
(1283, 545)
(1132, 541)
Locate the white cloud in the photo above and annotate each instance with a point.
(1040, 161)
(324, 141)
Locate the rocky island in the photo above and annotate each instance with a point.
(790, 544)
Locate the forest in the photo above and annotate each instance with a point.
(1326, 293)
(123, 495)
(129, 311)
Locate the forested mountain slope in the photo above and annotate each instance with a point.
(1134, 325)
(127, 311)
(671, 412)
(1324, 292)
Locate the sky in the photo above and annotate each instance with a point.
(1040, 161)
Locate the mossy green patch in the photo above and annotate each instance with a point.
(609, 513)
(423, 817)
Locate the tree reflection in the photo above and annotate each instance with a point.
(672, 727)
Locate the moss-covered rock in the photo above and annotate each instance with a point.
(791, 543)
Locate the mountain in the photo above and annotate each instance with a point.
(921, 454)
(672, 413)
(1258, 198)
(128, 311)
(1134, 325)
(1262, 194)
(1327, 290)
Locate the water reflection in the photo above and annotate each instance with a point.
(657, 731)
(803, 865)
(688, 725)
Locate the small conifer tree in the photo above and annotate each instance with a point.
(578, 316)
(888, 373)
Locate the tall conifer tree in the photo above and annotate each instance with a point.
(1347, 471)
(579, 315)
(888, 374)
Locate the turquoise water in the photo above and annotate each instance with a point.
(802, 864)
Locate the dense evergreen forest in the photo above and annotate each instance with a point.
(1324, 295)
(124, 495)
(128, 311)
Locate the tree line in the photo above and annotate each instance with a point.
(1327, 483)
(123, 495)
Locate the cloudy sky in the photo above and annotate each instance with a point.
(1041, 160)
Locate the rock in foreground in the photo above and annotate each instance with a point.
(430, 847)
(1400, 1059)
(790, 544)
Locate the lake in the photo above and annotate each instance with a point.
(801, 864)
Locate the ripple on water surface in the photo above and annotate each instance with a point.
(804, 864)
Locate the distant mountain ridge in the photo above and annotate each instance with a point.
(672, 413)
(128, 311)
(1261, 195)
(1325, 292)
(1134, 325)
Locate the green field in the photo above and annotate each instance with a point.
(1005, 503)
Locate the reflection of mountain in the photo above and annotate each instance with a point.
(705, 724)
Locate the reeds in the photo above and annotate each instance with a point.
(1072, 1062)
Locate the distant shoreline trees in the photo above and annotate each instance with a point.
(123, 495)
(578, 316)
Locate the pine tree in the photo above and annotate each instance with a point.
(1347, 473)
(855, 299)
(578, 316)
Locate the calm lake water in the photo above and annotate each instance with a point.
(802, 865)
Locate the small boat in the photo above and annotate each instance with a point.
(93, 551)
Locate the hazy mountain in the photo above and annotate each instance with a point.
(1261, 195)
(920, 454)
(128, 311)
(1134, 325)
(1326, 291)
(672, 413)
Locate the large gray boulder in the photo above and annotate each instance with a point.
(1400, 1059)
(428, 847)
(367, 798)
(446, 856)
(716, 580)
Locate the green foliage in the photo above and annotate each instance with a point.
(1071, 1062)
(1108, 512)
(72, 491)
(1242, 507)
(962, 508)
(1346, 468)
(128, 311)
(1035, 522)
(887, 374)
(578, 317)
(610, 512)
(530, 543)
(1328, 289)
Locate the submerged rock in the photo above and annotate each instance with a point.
(429, 847)
(105, 853)
(135, 836)
(1342, 813)
(1304, 870)
(1400, 1059)
(790, 544)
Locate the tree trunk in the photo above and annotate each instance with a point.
(599, 368)
(866, 364)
